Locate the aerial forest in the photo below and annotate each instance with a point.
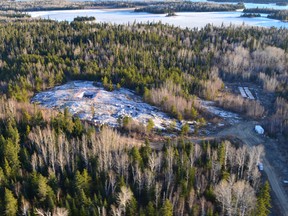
(54, 163)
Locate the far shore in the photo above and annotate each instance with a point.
(115, 9)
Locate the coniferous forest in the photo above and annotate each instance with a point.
(54, 163)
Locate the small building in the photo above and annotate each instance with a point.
(259, 129)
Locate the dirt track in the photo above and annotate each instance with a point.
(245, 132)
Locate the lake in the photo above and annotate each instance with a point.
(247, 5)
(183, 20)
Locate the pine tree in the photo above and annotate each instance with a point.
(221, 154)
(12, 131)
(2, 176)
(132, 207)
(42, 187)
(7, 168)
(167, 209)
(11, 151)
(151, 209)
(82, 181)
(185, 129)
(145, 152)
(78, 128)
(10, 203)
(264, 201)
(136, 156)
(150, 125)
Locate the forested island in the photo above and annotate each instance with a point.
(84, 19)
(170, 14)
(281, 15)
(254, 1)
(250, 15)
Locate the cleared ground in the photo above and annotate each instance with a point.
(90, 101)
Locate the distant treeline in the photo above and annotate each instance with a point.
(40, 8)
(254, 1)
(14, 15)
(282, 3)
(260, 10)
(161, 8)
(46, 5)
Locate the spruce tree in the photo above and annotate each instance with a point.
(10, 203)
(167, 209)
(264, 201)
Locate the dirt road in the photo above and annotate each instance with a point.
(245, 132)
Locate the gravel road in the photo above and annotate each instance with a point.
(245, 132)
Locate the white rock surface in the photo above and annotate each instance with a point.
(107, 106)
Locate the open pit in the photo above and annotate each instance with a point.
(92, 102)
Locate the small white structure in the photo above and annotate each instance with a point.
(242, 92)
(260, 166)
(249, 94)
(259, 129)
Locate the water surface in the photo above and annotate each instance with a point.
(183, 19)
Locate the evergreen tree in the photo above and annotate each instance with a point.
(167, 209)
(131, 209)
(221, 154)
(10, 203)
(145, 152)
(151, 209)
(136, 156)
(185, 129)
(82, 181)
(264, 201)
(42, 187)
(150, 125)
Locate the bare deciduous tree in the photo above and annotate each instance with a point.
(240, 159)
(237, 198)
(123, 198)
(223, 192)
